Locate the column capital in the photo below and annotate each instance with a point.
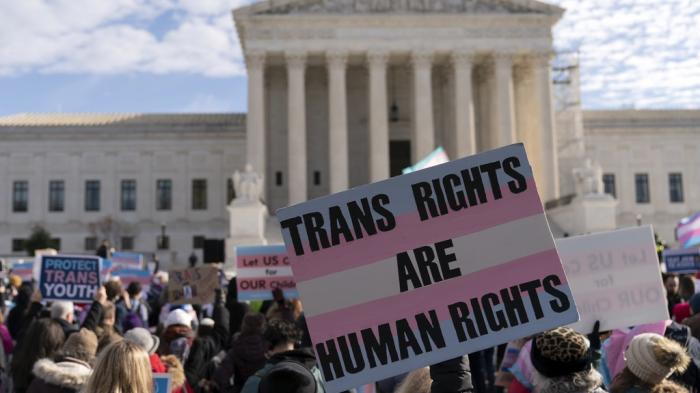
(422, 58)
(255, 58)
(295, 59)
(463, 58)
(378, 57)
(336, 58)
(503, 59)
(540, 59)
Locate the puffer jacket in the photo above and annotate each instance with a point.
(247, 355)
(66, 376)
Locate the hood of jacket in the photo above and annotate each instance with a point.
(249, 348)
(304, 356)
(69, 373)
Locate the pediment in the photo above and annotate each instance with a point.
(292, 7)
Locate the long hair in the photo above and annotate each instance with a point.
(582, 381)
(43, 339)
(417, 381)
(122, 367)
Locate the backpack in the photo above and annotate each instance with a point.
(133, 319)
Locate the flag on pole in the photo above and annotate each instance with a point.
(437, 157)
(688, 231)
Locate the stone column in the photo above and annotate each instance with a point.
(296, 118)
(465, 132)
(505, 118)
(423, 126)
(378, 117)
(542, 81)
(255, 133)
(338, 121)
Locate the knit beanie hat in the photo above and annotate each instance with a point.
(288, 376)
(178, 317)
(695, 303)
(653, 358)
(143, 338)
(15, 280)
(560, 352)
(81, 345)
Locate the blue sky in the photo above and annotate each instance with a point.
(183, 55)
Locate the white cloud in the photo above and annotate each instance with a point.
(111, 37)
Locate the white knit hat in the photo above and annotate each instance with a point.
(178, 317)
(207, 322)
(641, 361)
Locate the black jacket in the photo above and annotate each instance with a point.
(451, 376)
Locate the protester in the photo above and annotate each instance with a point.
(281, 336)
(7, 345)
(134, 310)
(693, 321)
(167, 364)
(42, 340)
(282, 308)
(156, 296)
(122, 367)
(686, 290)
(71, 368)
(177, 337)
(236, 309)
(246, 356)
(17, 317)
(64, 313)
(672, 296)
(649, 360)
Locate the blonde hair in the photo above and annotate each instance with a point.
(417, 381)
(122, 367)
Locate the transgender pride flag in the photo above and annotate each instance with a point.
(688, 231)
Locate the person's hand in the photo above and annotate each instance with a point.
(594, 336)
(36, 296)
(101, 295)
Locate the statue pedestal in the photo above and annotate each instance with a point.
(247, 227)
(585, 214)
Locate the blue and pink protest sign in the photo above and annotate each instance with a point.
(73, 278)
(23, 268)
(127, 276)
(127, 260)
(260, 269)
(425, 267)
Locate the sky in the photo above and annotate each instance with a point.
(184, 56)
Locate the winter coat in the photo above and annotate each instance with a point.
(303, 356)
(693, 322)
(7, 345)
(68, 328)
(451, 376)
(247, 355)
(67, 376)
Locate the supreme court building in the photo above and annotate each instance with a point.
(342, 93)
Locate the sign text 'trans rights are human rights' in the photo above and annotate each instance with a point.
(424, 267)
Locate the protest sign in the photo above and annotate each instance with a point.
(682, 261)
(425, 267)
(615, 278)
(127, 276)
(24, 268)
(437, 157)
(195, 285)
(162, 383)
(127, 260)
(260, 269)
(66, 277)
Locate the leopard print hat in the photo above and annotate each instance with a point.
(560, 352)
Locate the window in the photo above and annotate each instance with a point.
(198, 242)
(56, 195)
(128, 195)
(641, 183)
(56, 244)
(20, 196)
(317, 178)
(609, 184)
(92, 195)
(164, 194)
(127, 243)
(278, 178)
(675, 187)
(163, 242)
(18, 245)
(90, 244)
(230, 191)
(199, 194)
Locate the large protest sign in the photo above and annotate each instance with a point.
(682, 261)
(615, 278)
(195, 285)
(425, 267)
(260, 269)
(66, 277)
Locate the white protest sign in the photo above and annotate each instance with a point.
(425, 267)
(615, 278)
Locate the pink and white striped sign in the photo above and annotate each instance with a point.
(425, 267)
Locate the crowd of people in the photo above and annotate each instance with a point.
(116, 344)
